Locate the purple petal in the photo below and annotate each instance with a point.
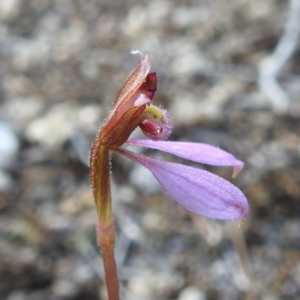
(197, 190)
(202, 153)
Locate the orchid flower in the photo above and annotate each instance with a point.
(197, 190)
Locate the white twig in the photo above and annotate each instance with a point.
(270, 66)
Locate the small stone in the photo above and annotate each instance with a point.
(81, 273)
(31, 53)
(126, 194)
(192, 293)
(22, 110)
(89, 117)
(151, 285)
(6, 182)
(64, 288)
(9, 145)
(53, 129)
(154, 221)
(9, 9)
(296, 273)
(143, 179)
(17, 295)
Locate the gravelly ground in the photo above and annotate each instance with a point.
(62, 63)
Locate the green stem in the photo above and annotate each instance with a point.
(100, 179)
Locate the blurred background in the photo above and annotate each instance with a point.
(228, 73)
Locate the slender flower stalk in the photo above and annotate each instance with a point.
(199, 191)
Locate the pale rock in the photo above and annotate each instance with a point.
(64, 289)
(6, 182)
(31, 53)
(53, 129)
(9, 145)
(9, 9)
(143, 179)
(149, 285)
(21, 111)
(192, 293)
(17, 295)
